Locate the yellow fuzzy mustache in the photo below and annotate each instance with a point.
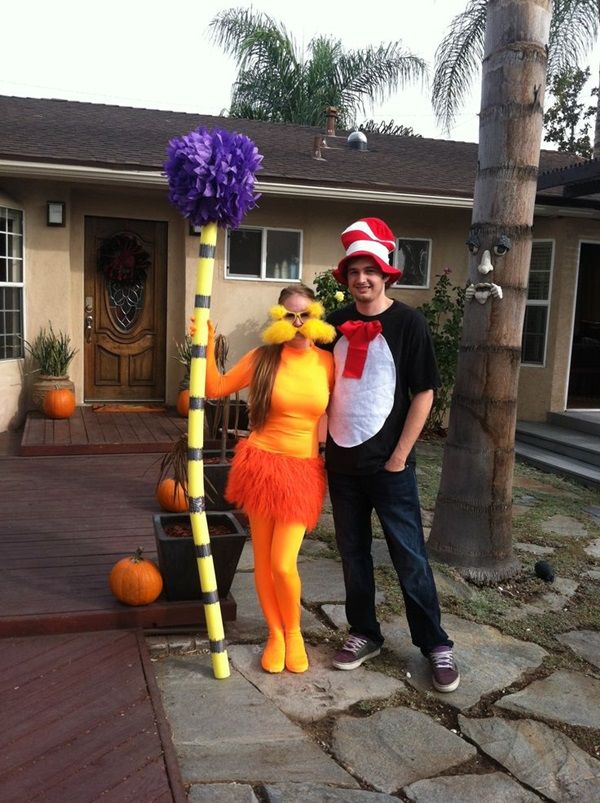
(281, 330)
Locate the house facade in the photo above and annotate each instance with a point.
(83, 198)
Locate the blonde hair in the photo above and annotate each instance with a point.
(266, 364)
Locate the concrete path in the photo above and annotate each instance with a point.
(524, 724)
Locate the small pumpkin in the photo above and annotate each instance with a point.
(59, 403)
(183, 402)
(135, 580)
(172, 496)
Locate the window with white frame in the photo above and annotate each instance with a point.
(254, 253)
(11, 283)
(535, 326)
(413, 259)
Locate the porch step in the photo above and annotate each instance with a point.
(557, 449)
(581, 420)
(577, 445)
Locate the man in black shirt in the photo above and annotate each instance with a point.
(386, 374)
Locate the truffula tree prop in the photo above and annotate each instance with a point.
(211, 182)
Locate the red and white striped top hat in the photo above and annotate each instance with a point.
(369, 237)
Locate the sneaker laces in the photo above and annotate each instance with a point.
(442, 659)
(354, 644)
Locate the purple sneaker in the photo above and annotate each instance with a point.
(445, 675)
(355, 652)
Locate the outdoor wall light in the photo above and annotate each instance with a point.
(56, 213)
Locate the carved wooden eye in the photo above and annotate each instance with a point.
(502, 246)
(473, 244)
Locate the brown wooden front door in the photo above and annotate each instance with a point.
(124, 311)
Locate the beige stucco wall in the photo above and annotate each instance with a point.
(54, 274)
(240, 306)
(544, 388)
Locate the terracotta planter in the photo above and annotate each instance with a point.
(177, 554)
(44, 383)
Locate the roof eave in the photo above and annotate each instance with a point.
(155, 178)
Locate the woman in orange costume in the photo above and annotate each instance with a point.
(277, 476)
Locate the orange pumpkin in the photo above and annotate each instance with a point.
(135, 580)
(183, 403)
(59, 403)
(172, 496)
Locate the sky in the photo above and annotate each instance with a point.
(143, 53)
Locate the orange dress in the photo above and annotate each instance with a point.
(277, 471)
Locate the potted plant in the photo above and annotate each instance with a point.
(184, 357)
(171, 485)
(219, 411)
(227, 527)
(177, 553)
(173, 532)
(52, 353)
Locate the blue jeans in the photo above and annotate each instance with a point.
(394, 497)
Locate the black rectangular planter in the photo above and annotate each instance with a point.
(215, 482)
(177, 554)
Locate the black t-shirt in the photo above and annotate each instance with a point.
(366, 415)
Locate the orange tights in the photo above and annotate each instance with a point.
(277, 581)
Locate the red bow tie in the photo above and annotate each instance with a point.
(359, 334)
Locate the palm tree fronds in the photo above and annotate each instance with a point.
(275, 83)
(458, 61)
(573, 31)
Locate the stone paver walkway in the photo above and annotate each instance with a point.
(517, 730)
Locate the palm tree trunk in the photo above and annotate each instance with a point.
(596, 149)
(472, 525)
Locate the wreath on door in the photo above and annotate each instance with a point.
(122, 259)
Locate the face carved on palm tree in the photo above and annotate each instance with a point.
(498, 246)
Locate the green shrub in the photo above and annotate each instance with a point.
(52, 352)
(444, 314)
(331, 294)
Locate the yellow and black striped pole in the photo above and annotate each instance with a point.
(197, 505)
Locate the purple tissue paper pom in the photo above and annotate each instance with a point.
(211, 176)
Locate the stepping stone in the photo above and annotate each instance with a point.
(594, 512)
(592, 574)
(584, 643)
(226, 730)
(543, 487)
(564, 525)
(535, 549)
(250, 625)
(397, 746)
(519, 510)
(487, 659)
(492, 786)
(525, 501)
(318, 692)
(322, 581)
(380, 552)
(246, 562)
(221, 793)
(427, 517)
(538, 756)
(326, 524)
(568, 697)
(312, 549)
(593, 549)
(312, 793)
(555, 599)
(452, 586)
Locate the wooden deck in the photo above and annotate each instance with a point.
(82, 720)
(91, 431)
(81, 712)
(64, 522)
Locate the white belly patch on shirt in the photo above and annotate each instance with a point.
(360, 407)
